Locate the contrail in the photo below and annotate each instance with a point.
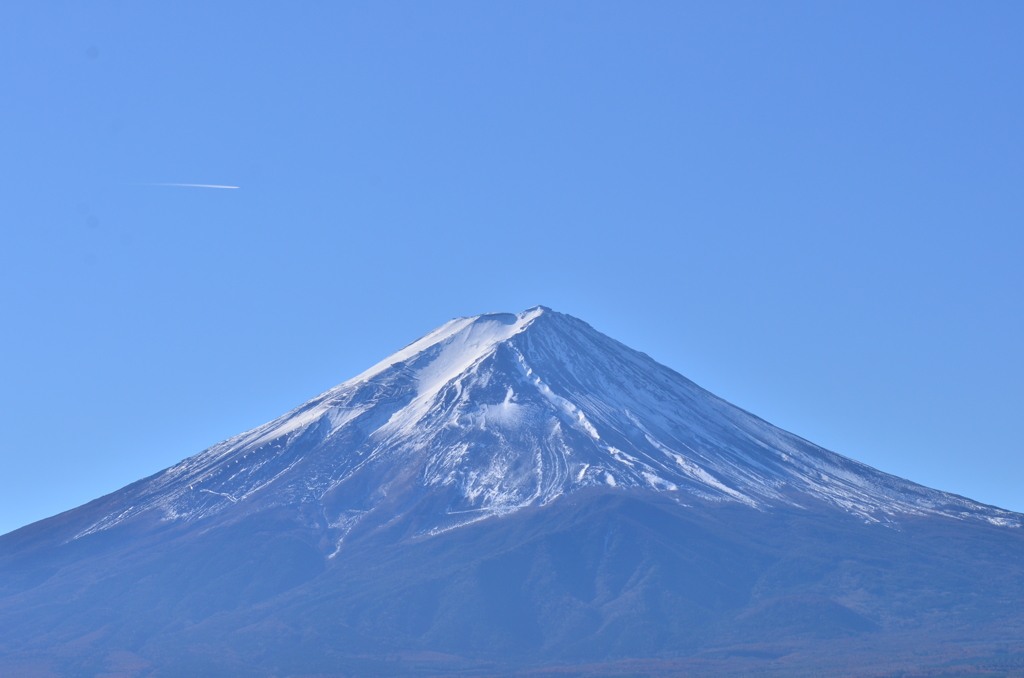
(192, 185)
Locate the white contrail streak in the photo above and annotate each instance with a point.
(193, 185)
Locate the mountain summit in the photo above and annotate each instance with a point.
(509, 492)
(490, 414)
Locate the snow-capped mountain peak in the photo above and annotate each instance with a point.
(489, 414)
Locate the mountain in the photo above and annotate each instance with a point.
(514, 494)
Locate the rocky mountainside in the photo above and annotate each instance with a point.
(510, 492)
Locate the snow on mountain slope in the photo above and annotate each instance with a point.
(486, 415)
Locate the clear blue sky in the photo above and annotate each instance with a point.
(813, 209)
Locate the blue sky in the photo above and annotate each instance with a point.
(812, 209)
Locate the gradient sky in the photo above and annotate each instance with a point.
(813, 209)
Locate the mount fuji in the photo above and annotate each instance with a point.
(516, 494)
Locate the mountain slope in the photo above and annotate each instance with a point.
(503, 411)
(518, 489)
